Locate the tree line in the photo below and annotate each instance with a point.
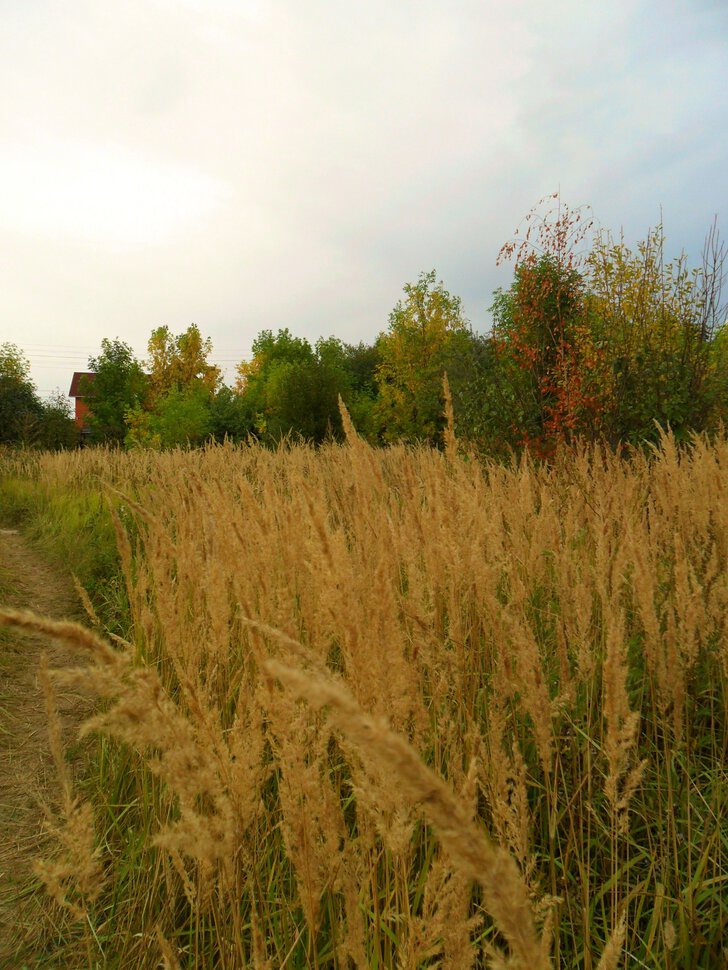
(592, 340)
(24, 418)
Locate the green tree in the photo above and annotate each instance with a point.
(472, 376)
(119, 384)
(305, 399)
(56, 429)
(356, 367)
(269, 350)
(289, 388)
(181, 418)
(659, 323)
(718, 378)
(229, 416)
(20, 408)
(427, 334)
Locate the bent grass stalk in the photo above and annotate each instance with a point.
(468, 846)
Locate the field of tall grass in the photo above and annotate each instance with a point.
(397, 708)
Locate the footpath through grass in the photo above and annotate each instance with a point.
(29, 780)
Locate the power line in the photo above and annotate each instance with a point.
(230, 356)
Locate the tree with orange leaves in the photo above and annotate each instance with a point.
(552, 373)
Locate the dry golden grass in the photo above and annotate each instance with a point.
(399, 709)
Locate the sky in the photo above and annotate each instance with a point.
(259, 164)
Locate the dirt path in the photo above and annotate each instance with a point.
(26, 770)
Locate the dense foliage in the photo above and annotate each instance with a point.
(24, 418)
(592, 340)
(119, 386)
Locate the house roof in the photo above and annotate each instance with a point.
(76, 381)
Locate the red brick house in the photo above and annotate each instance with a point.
(81, 378)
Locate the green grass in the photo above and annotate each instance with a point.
(74, 531)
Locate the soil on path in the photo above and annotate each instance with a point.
(27, 779)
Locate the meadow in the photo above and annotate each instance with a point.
(390, 708)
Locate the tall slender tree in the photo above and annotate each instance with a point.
(427, 333)
(119, 385)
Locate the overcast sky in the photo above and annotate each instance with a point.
(251, 164)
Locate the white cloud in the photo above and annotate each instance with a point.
(104, 194)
